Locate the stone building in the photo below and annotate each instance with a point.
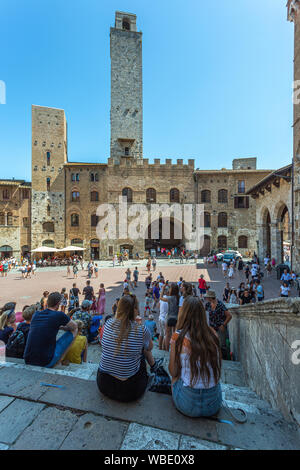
(65, 195)
(15, 206)
(229, 217)
(294, 16)
(273, 198)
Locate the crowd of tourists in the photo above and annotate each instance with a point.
(188, 323)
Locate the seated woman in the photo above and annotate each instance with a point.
(195, 363)
(122, 374)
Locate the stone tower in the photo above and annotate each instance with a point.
(294, 16)
(126, 114)
(49, 154)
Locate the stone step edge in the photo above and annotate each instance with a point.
(82, 412)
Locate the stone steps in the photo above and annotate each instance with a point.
(154, 414)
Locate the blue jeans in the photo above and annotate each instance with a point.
(62, 345)
(194, 402)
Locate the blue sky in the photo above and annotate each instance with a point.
(217, 78)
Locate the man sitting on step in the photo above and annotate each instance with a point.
(42, 349)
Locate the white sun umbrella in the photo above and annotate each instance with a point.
(44, 249)
(72, 248)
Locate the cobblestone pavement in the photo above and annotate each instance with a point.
(28, 291)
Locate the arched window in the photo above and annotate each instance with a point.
(222, 242)
(174, 195)
(75, 197)
(48, 227)
(223, 196)
(243, 242)
(48, 180)
(94, 177)
(94, 220)
(9, 218)
(150, 195)
(48, 158)
(77, 242)
(205, 196)
(75, 177)
(2, 218)
(74, 220)
(222, 219)
(94, 196)
(6, 194)
(126, 24)
(206, 219)
(127, 192)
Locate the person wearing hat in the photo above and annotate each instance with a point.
(219, 316)
(84, 316)
(42, 349)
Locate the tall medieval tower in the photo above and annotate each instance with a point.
(49, 154)
(126, 115)
(294, 16)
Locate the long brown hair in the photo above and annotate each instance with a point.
(204, 344)
(125, 314)
(174, 291)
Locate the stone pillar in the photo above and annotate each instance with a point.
(262, 241)
(294, 16)
(276, 242)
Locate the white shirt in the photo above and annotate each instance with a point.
(163, 310)
(284, 290)
(224, 266)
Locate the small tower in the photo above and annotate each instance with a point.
(49, 154)
(126, 114)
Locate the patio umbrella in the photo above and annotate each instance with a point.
(72, 248)
(44, 249)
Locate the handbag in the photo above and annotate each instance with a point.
(160, 382)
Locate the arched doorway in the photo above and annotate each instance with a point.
(128, 248)
(25, 251)
(95, 249)
(205, 250)
(175, 240)
(6, 251)
(285, 242)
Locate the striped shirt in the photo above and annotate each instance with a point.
(127, 362)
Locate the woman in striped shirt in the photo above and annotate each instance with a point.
(122, 373)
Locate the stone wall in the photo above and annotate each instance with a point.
(262, 336)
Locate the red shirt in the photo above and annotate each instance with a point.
(202, 283)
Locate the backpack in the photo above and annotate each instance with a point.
(15, 345)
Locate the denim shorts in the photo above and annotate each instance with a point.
(194, 402)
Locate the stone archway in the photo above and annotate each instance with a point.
(176, 235)
(282, 242)
(264, 234)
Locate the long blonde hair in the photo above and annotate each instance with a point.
(125, 314)
(204, 344)
(4, 318)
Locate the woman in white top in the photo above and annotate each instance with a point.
(195, 363)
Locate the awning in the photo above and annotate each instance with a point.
(44, 249)
(71, 248)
